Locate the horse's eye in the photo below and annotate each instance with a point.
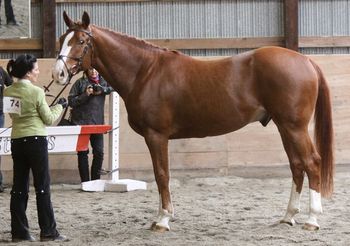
(81, 41)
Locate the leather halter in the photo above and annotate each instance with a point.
(79, 59)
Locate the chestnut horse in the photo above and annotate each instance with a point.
(169, 95)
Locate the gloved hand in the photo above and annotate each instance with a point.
(63, 102)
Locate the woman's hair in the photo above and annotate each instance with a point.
(21, 66)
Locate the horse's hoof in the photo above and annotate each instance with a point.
(158, 228)
(310, 227)
(288, 222)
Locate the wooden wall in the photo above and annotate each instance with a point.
(247, 149)
(312, 26)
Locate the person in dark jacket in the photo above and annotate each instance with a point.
(87, 100)
(5, 80)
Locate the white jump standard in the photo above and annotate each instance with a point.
(114, 184)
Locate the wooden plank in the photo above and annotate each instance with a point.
(49, 28)
(20, 44)
(291, 24)
(268, 138)
(214, 43)
(257, 156)
(184, 160)
(217, 43)
(337, 41)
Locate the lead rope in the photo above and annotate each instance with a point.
(46, 89)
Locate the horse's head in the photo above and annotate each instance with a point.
(76, 49)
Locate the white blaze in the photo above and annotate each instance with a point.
(59, 66)
(65, 47)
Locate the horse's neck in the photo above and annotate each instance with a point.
(117, 61)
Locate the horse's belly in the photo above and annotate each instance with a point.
(201, 130)
(222, 124)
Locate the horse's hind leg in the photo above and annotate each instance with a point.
(303, 158)
(294, 199)
(297, 184)
(158, 147)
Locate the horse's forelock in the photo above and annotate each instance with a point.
(77, 25)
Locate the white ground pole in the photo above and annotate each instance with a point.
(114, 184)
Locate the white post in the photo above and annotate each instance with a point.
(115, 184)
(114, 135)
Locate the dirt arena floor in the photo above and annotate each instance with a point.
(209, 211)
(21, 12)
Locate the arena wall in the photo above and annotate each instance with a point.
(323, 25)
(251, 148)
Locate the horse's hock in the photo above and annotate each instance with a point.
(251, 151)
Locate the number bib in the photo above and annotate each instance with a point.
(12, 105)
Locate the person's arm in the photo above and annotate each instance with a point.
(78, 94)
(106, 88)
(47, 114)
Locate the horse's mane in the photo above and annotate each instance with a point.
(136, 41)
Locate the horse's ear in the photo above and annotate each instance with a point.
(67, 20)
(85, 20)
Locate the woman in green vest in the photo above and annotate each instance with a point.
(30, 115)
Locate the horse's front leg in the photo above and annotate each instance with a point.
(158, 147)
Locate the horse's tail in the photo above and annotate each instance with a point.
(324, 133)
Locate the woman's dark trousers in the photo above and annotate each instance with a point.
(96, 141)
(31, 153)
